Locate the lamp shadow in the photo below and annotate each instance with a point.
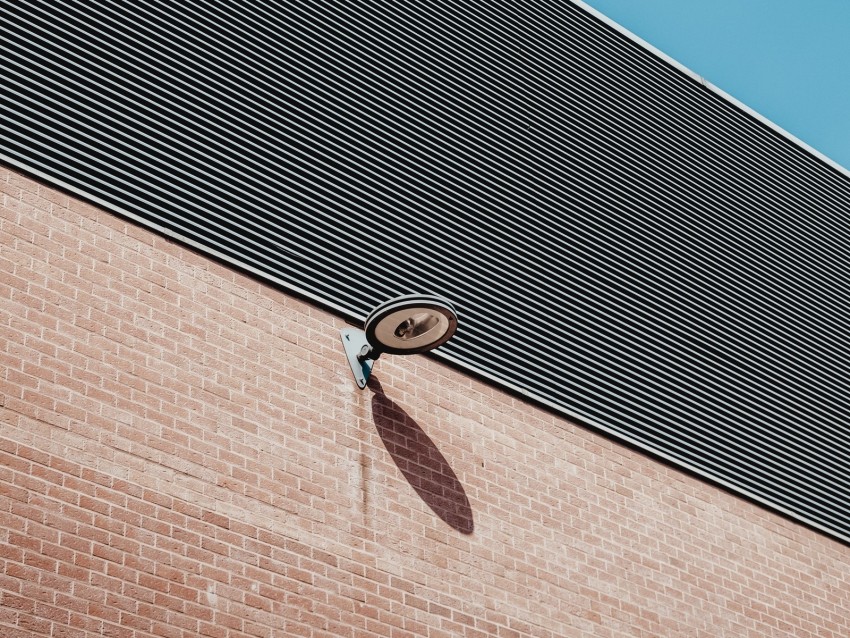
(419, 460)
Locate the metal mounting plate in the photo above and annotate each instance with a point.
(353, 341)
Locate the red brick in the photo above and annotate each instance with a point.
(184, 453)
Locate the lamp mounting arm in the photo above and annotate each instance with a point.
(361, 355)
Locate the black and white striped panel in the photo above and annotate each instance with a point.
(622, 243)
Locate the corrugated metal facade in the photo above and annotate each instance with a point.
(622, 243)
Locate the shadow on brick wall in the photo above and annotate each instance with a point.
(419, 460)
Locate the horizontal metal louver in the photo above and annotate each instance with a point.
(622, 243)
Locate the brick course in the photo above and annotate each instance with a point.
(183, 453)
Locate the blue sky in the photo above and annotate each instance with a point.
(788, 60)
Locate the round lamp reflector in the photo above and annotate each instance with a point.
(411, 324)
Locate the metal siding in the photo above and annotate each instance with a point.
(622, 244)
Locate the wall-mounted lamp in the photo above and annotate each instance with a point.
(405, 325)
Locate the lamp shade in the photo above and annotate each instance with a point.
(411, 324)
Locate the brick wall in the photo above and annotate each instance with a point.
(184, 453)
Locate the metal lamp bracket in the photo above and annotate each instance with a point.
(361, 355)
